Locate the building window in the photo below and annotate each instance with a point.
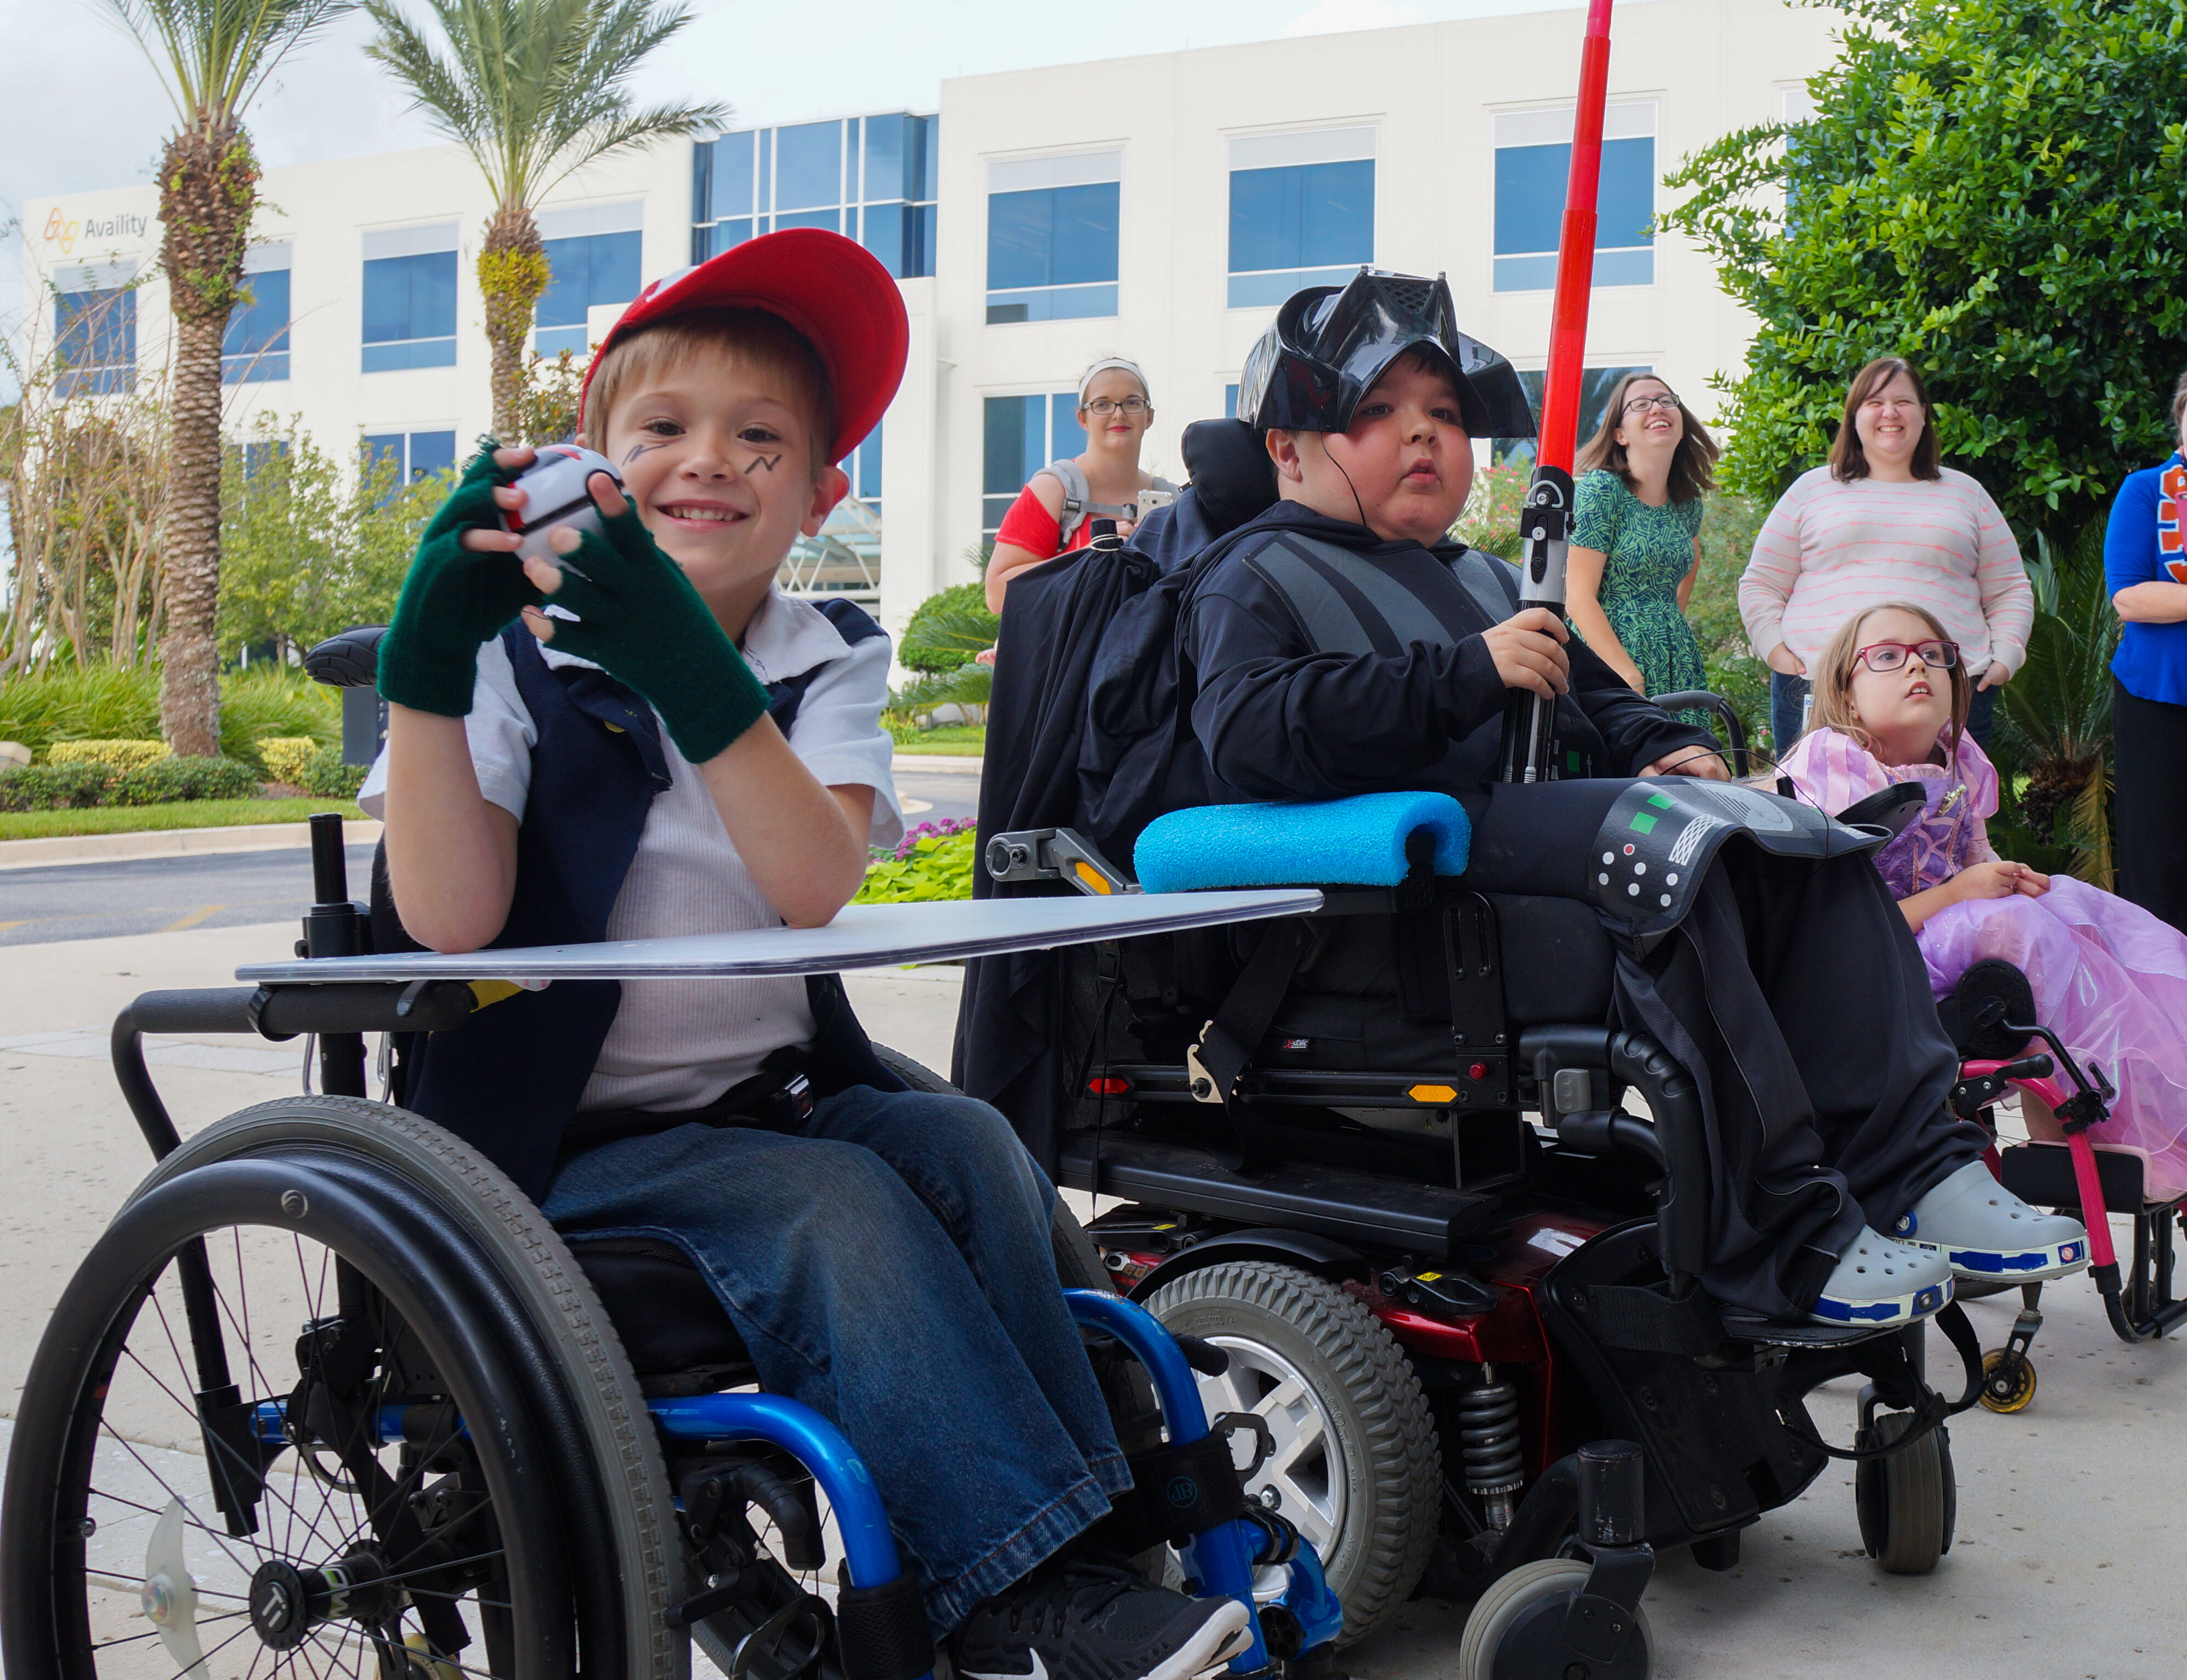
(592, 258)
(1301, 211)
(95, 328)
(410, 298)
(256, 347)
(863, 465)
(1052, 237)
(869, 178)
(416, 455)
(1533, 159)
(1023, 434)
(1229, 402)
(1594, 384)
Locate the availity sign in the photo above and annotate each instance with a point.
(65, 232)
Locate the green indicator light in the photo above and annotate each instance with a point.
(1658, 802)
(1643, 824)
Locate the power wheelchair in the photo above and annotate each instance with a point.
(329, 1394)
(1432, 1298)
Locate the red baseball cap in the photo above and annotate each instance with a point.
(832, 289)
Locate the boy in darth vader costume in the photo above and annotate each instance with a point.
(1340, 643)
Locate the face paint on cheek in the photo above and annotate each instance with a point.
(768, 462)
(638, 449)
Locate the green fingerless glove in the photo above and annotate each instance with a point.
(640, 619)
(453, 600)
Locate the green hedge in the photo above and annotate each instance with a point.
(67, 787)
(107, 702)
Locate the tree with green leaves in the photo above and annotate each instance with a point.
(1995, 190)
(533, 90)
(213, 56)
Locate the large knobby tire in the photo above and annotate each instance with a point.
(558, 1301)
(1908, 1501)
(1356, 1465)
(1499, 1606)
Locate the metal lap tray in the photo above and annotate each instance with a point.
(862, 936)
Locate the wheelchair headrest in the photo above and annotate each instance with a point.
(1989, 994)
(1366, 840)
(1232, 476)
(349, 661)
(1890, 808)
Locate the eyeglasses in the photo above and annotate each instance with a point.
(1640, 405)
(1885, 657)
(1106, 406)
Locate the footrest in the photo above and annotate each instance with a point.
(1339, 842)
(2042, 1174)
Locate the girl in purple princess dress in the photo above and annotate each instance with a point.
(2109, 979)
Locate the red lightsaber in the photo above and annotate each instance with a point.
(1530, 746)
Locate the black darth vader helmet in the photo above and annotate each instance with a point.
(1329, 347)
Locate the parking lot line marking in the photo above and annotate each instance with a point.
(193, 918)
(4, 926)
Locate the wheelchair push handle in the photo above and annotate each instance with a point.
(1734, 727)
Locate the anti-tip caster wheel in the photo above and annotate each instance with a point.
(1501, 1615)
(2008, 1380)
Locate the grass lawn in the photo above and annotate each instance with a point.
(950, 740)
(189, 813)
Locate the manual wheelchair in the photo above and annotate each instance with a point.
(329, 1394)
(1318, 1133)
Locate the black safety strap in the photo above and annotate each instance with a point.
(1887, 1365)
(1230, 1042)
(1176, 1493)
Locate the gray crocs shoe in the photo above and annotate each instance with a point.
(1981, 1230)
(1878, 1281)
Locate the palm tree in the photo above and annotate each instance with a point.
(533, 91)
(213, 56)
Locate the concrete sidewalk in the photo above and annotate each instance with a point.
(2070, 1517)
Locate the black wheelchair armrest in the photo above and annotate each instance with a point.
(1672, 1139)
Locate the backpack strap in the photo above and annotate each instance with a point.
(1079, 502)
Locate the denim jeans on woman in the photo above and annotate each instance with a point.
(1788, 706)
(891, 1268)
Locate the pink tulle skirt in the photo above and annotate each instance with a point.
(2111, 981)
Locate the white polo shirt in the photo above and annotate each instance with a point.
(680, 1044)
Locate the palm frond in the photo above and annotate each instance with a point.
(216, 54)
(534, 89)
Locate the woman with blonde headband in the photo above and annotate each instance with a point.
(1050, 516)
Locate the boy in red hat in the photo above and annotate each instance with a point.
(665, 744)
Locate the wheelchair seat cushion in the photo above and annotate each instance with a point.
(669, 1318)
(1348, 842)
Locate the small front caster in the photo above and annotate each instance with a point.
(2008, 1380)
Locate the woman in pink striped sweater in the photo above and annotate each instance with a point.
(1883, 521)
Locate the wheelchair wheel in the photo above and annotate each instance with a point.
(1556, 1581)
(446, 1468)
(1355, 1466)
(2008, 1380)
(1907, 1502)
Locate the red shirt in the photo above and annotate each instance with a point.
(1029, 526)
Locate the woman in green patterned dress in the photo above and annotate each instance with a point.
(1636, 537)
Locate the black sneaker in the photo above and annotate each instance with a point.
(1079, 1620)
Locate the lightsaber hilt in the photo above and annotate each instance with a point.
(1529, 721)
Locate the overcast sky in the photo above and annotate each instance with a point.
(80, 109)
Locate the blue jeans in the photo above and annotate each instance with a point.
(891, 1268)
(1788, 701)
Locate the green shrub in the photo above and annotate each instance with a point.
(934, 860)
(288, 758)
(54, 787)
(110, 703)
(115, 755)
(328, 777)
(946, 631)
(178, 778)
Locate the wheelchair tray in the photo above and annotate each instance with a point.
(862, 936)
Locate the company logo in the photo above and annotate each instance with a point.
(61, 231)
(1183, 1493)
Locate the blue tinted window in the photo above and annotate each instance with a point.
(732, 176)
(1530, 195)
(1023, 434)
(1053, 236)
(431, 452)
(922, 231)
(1303, 216)
(868, 475)
(410, 311)
(1021, 235)
(593, 269)
(883, 234)
(1625, 203)
(1231, 402)
(810, 169)
(888, 160)
(96, 334)
(1594, 384)
(928, 139)
(1066, 435)
(831, 219)
(1085, 233)
(256, 347)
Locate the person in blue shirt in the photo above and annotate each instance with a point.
(2145, 569)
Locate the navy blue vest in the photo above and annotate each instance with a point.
(508, 1079)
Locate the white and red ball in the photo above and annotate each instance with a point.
(553, 487)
